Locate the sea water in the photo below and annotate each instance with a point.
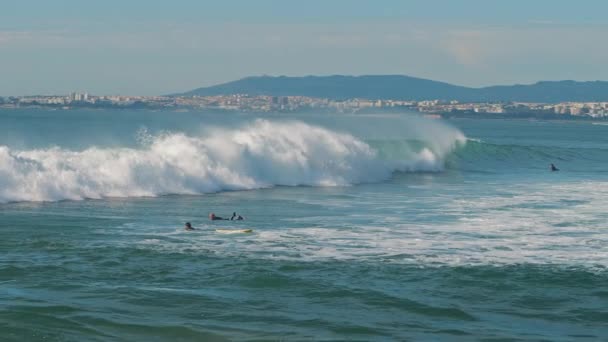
(366, 227)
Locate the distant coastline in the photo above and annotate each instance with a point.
(405, 88)
(555, 100)
(365, 111)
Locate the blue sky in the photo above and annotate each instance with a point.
(157, 47)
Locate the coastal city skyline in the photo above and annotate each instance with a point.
(155, 47)
(348, 94)
(294, 104)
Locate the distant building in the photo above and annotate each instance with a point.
(78, 97)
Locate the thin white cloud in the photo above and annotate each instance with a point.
(210, 53)
(467, 47)
(34, 38)
(9, 37)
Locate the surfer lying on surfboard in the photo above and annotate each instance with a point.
(214, 217)
(236, 217)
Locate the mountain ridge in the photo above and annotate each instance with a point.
(402, 87)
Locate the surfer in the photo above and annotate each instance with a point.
(214, 217)
(189, 226)
(553, 168)
(236, 217)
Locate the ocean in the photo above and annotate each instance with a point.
(365, 227)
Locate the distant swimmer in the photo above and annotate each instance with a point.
(189, 226)
(214, 217)
(236, 217)
(553, 168)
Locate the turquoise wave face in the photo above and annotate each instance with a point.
(499, 158)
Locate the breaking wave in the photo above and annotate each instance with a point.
(261, 154)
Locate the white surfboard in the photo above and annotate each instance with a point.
(234, 231)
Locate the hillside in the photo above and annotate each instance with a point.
(405, 88)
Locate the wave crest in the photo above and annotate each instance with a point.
(261, 154)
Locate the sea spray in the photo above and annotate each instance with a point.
(260, 154)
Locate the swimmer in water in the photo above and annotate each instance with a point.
(553, 168)
(188, 226)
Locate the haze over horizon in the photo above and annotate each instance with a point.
(156, 47)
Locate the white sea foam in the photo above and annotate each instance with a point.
(260, 154)
(524, 226)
